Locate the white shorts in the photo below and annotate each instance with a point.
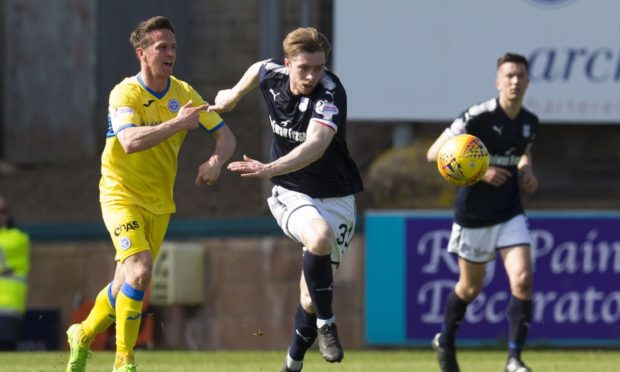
(480, 244)
(293, 209)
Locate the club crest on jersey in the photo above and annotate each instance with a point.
(327, 109)
(173, 105)
(527, 132)
(303, 104)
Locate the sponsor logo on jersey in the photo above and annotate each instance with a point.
(498, 129)
(281, 130)
(121, 111)
(173, 105)
(327, 109)
(274, 94)
(505, 160)
(120, 118)
(124, 227)
(124, 243)
(148, 103)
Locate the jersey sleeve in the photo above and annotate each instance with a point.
(272, 74)
(269, 69)
(210, 121)
(328, 109)
(123, 108)
(459, 125)
(471, 116)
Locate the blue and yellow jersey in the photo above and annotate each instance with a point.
(146, 178)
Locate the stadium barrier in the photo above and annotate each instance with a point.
(576, 301)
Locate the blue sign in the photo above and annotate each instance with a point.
(576, 298)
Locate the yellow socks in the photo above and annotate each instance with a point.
(100, 317)
(121, 360)
(128, 316)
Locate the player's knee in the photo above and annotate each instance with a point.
(319, 240)
(140, 277)
(521, 284)
(320, 247)
(468, 292)
(306, 301)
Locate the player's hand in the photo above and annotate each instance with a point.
(225, 101)
(208, 173)
(249, 167)
(189, 116)
(496, 176)
(528, 181)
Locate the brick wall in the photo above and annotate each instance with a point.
(252, 288)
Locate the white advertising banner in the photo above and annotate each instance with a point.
(428, 60)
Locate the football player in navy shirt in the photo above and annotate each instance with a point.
(314, 177)
(489, 215)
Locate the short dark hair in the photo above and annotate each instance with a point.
(514, 58)
(139, 36)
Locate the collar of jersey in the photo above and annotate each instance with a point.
(154, 93)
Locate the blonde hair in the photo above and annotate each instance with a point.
(139, 36)
(305, 39)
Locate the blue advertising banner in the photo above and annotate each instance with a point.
(576, 301)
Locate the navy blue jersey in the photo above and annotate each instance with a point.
(335, 173)
(506, 139)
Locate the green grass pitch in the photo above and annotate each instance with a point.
(355, 361)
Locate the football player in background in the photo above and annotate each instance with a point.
(150, 114)
(315, 178)
(489, 215)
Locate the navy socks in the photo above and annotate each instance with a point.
(304, 333)
(319, 279)
(519, 316)
(455, 313)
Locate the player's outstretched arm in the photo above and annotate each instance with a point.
(225, 143)
(249, 167)
(318, 139)
(227, 99)
(135, 139)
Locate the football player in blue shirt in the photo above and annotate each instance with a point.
(315, 178)
(489, 215)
